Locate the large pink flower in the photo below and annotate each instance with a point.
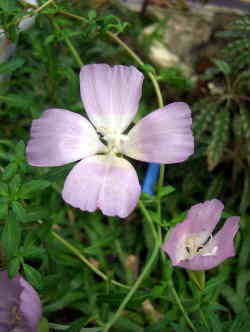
(103, 178)
(191, 244)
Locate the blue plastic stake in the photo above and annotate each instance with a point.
(151, 178)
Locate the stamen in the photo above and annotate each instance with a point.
(111, 139)
(193, 246)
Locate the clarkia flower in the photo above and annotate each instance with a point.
(103, 178)
(20, 306)
(191, 243)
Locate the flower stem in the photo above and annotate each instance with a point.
(70, 46)
(86, 261)
(133, 289)
(149, 220)
(141, 63)
(128, 50)
(144, 273)
(38, 9)
(178, 301)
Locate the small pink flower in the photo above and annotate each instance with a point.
(103, 178)
(20, 306)
(191, 244)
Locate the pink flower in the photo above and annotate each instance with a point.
(191, 244)
(103, 178)
(20, 306)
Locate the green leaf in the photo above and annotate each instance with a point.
(198, 277)
(13, 266)
(244, 204)
(32, 252)
(223, 66)
(205, 116)
(18, 210)
(4, 189)
(57, 173)
(15, 184)
(33, 276)
(147, 68)
(43, 325)
(19, 101)
(166, 191)
(29, 188)
(92, 14)
(4, 207)
(9, 171)
(11, 65)
(11, 237)
(20, 149)
(8, 5)
(219, 139)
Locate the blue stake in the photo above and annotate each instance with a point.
(150, 178)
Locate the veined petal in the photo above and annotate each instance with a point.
(105, 182)
(203, 217)
(30, 304)
(223, 243)
(110, 95)
(164, 136)
(59, 137)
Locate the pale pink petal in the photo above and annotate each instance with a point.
(164, 136)
(110, 95)
(105, 182)
(223, 240)
(175, 236)
(203, 217)
(59, 137)
(30, 306)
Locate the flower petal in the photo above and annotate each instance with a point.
(203, 217)
(59, 137)
(30, 306)
(164, 136)
(110, 95)
(105, 182)
(223, 240)
(10, 291)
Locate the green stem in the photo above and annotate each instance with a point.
(178, 301)
(122, 255)
(149, 220)
(121, 43)
(70, 46)
(86, 261)
(128, 50)
(141, 63)
(133, 289)
(159, 186)
(203, 318)
(38, 9)
(144, 272)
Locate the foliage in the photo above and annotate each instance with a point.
(222, 122)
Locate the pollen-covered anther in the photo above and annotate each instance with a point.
(114, 141)
(195, 245)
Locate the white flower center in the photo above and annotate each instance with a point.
(196, 244)
(112, 139)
